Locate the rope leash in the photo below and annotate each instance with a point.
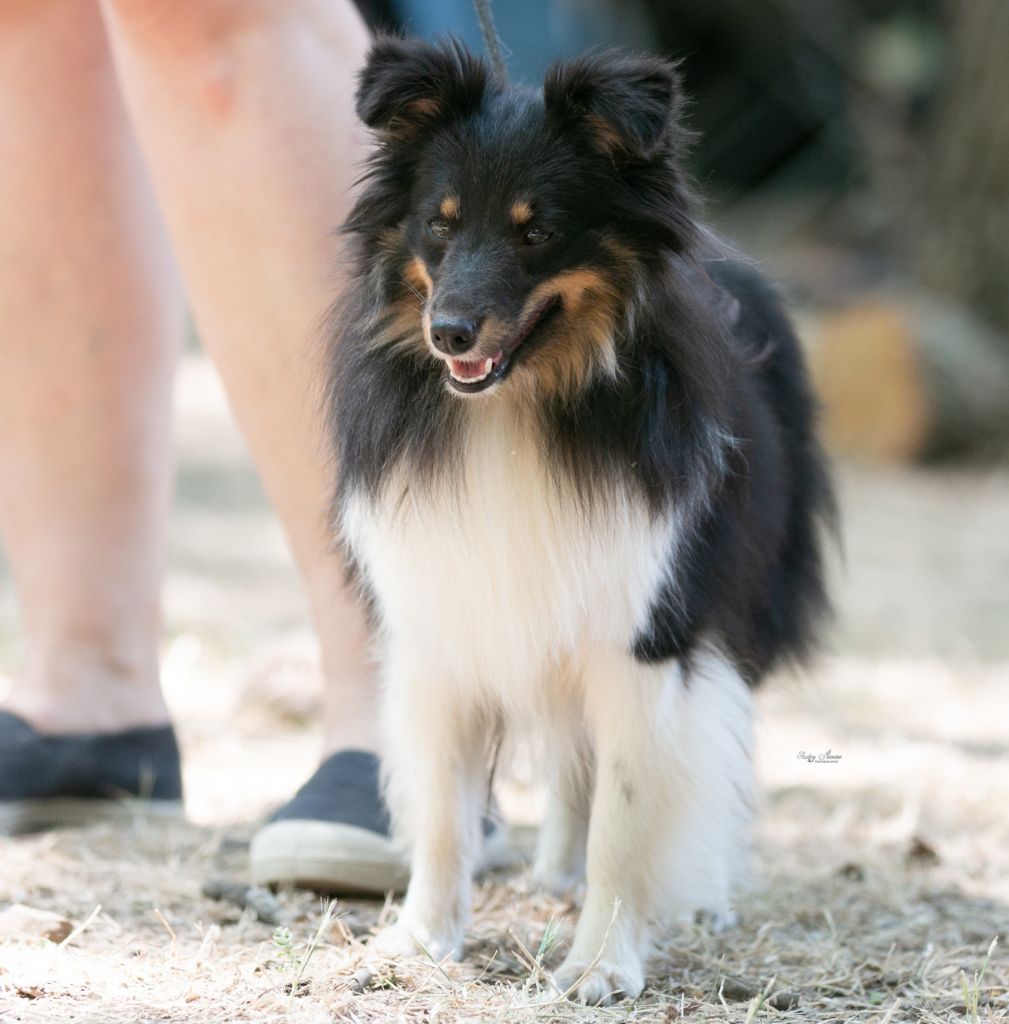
(491, 40)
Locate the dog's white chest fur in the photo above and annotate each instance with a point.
(498, 573)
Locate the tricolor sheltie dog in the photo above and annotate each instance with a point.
(579, 488)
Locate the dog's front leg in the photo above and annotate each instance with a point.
(631, 713)
(433, 764)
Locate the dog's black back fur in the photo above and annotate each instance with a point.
(711, 414)
(751, 570)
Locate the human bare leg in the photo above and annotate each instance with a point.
(244, 112)
(92, 314)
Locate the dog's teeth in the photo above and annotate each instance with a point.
(488, 365)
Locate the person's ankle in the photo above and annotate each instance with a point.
(87, 694)
(54, 716)
(344, 738)
(350, 723)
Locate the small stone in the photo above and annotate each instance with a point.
(361, 981)
(922, 852)
(20, 921)
(261, 901)
(736, 990)
(304, 987)
(783, 1000)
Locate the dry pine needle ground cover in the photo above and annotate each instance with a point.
(881, 879)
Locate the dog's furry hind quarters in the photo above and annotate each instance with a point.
(579, 489)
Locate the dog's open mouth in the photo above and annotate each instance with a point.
(474, 371)
(470, 376)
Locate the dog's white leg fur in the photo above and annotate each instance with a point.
(668, 813)
(559, 865)
(709, 856)
(433, 764)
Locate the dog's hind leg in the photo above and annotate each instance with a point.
(709, 848)
(643, 858)
(559, 866)
(434, 767)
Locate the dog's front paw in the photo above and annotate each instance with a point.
(601, 984)
(393, 943)
(401, 941)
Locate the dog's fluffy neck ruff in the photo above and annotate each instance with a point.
(584, 436)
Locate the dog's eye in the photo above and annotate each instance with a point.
(439, 227)
(536, 236)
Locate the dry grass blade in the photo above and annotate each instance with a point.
(757, 1003)
(573, 987)
(81, 928)
(324, 923)
(972, 989)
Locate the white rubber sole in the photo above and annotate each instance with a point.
(21, 816)
(326, 856)
(342, 859)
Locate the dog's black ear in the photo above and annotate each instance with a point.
(627, 105)
(408, 85)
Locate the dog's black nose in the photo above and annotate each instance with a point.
(453, 335)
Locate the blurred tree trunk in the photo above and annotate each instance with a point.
(959, 231)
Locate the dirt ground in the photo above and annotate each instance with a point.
(882, 879)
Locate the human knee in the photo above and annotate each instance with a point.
(198, 28)
(213, 49)
(192, 27)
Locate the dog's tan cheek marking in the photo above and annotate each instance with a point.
(417, 274)
(399, 326)
(584, 342)
(621, 253)
(572, 285)
(407, 313)
(450, 207)
(521, 213)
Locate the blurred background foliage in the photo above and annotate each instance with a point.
(860, 148)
